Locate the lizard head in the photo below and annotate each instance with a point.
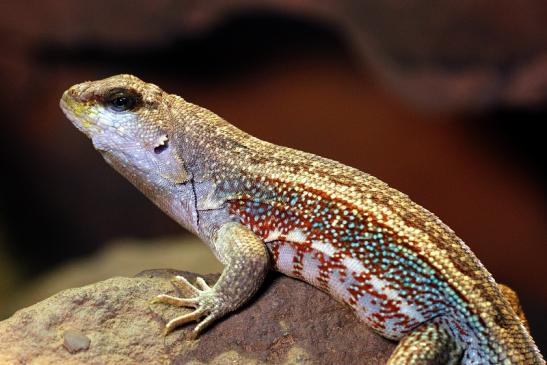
(129, 123)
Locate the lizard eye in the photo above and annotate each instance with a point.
(121, 100)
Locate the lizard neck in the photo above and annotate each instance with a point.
(176, 200)
(211, 148)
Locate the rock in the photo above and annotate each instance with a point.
(113, 322)
(454, 56)
(75, 341)
(447, 55)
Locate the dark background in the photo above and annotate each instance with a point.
(445, 103)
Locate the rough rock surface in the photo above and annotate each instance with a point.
(289, 322)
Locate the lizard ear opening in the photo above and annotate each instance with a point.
(161, 145)
(170, 166)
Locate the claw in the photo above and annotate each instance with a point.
(200, 300)
(185, 286)
(179, 321)
(176, 301)
(202, 284)
(204, 324)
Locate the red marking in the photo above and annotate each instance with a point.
(280, 216)
(459, 328)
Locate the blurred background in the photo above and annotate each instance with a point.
(445, 101)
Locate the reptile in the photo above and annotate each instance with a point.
(259, 206)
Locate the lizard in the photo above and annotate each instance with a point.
(259, 206)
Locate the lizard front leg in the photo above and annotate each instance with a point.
(246, 261)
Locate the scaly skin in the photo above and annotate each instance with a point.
(258, 205)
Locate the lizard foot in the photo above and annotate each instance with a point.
(246, 261)
(203, 299)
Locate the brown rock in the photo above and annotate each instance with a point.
(448, 55)
(289, 322)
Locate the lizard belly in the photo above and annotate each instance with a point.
(372, 297)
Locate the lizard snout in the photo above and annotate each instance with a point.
(78, 92)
